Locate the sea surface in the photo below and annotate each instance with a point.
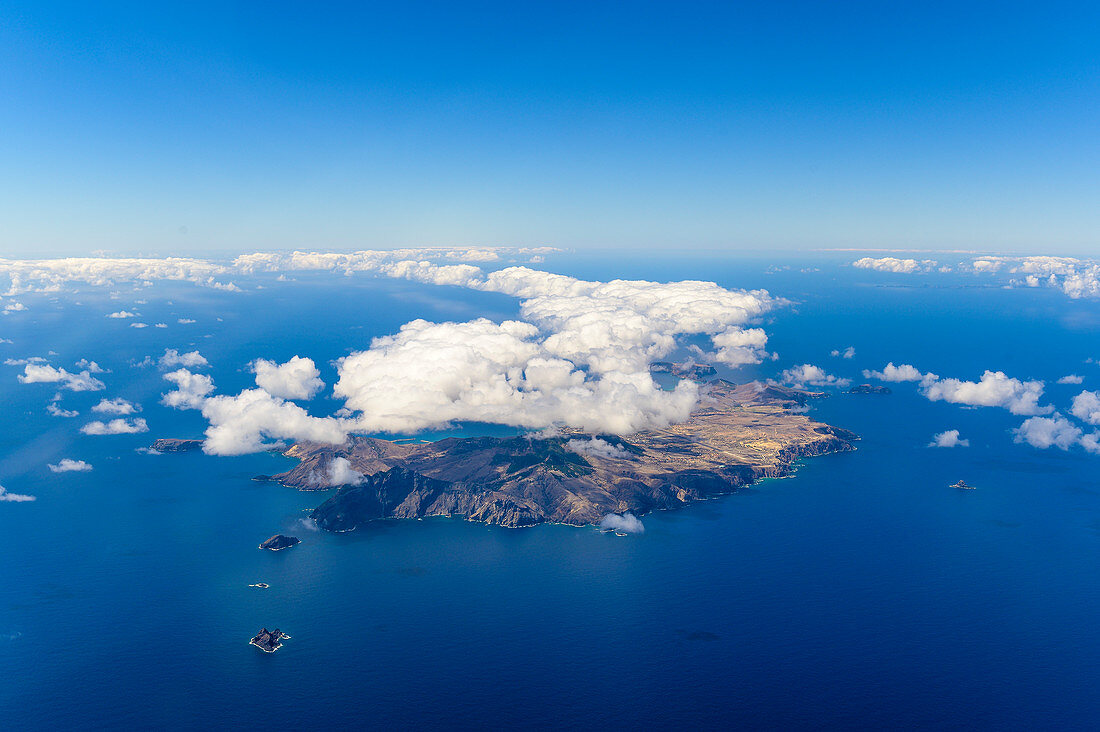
(861, 593)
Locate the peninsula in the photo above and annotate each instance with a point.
(737, 435)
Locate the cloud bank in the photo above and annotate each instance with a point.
(893, 264)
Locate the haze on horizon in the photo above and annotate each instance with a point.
(205, 129)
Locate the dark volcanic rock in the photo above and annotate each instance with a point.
(269, 641)
(279, 541)
(171, 444)
(737, 435)
(870, 389)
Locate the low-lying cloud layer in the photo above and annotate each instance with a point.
(1075, 277)
(893, 264)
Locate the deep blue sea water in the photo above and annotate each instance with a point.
(862, 593)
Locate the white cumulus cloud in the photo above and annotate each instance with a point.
(950, 438)
(340, 472)
(189, 360)
(893, 264)
(116, 427)
(1086, 407)
(91, 366)
(7, 497)
(1071, 379)
(595, 447)
(739, 346)
(191, 389)
(68, 465)
(243, 423)
(626, 523)
(995, 389)
(56, 411)
(116, 406)
(1044, 432)
(807, 373)
(434, 374)
(298, 378)
(904, 372)
(34, 373)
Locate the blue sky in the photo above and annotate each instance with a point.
(210, 128)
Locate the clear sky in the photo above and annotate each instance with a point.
(204, 128)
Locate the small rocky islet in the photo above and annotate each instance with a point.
(172, 444)
(279, 542)
(269, 641)
(870, 389)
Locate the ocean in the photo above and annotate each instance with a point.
(862, 592)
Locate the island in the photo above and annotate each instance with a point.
(280, 542)
(693, 371)
(737, 435)
(962, 485)
(269, 641)
(171, 444)
(870, 389)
